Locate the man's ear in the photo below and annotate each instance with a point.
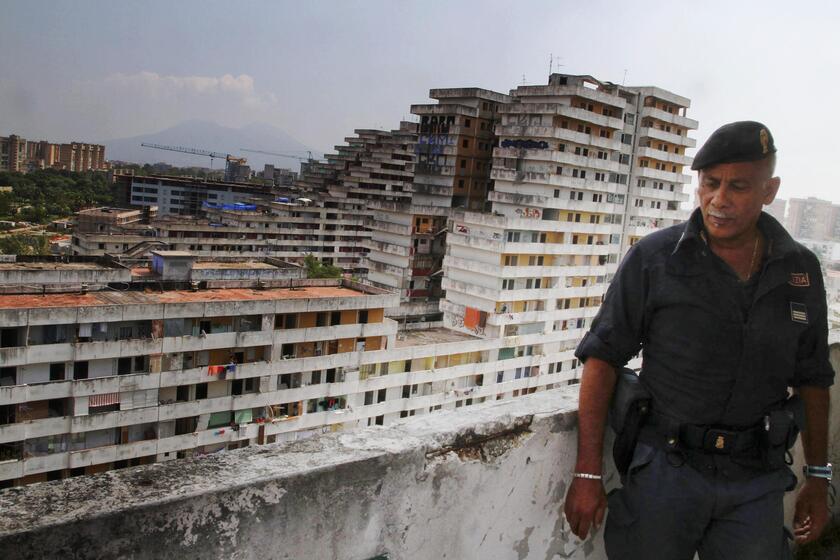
(770, 189)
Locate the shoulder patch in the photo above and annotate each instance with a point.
(798, 313)
(799, 279)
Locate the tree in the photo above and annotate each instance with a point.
(317, 269)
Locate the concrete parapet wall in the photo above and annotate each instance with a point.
(481, 482)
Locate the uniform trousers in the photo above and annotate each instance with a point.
(668, 512)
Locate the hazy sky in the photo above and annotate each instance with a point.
(96, 70)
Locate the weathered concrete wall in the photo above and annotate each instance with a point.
(480, 483)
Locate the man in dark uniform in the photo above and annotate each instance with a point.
(729, 312)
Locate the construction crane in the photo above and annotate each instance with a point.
(279, 155)
(192, 151)
(229, 159)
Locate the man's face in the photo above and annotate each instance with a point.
(731, 197)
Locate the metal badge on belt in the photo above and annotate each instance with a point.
(798, 313)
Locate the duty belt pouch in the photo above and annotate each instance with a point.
(629, 406)
(781, 428)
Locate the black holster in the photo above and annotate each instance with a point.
(629, 407)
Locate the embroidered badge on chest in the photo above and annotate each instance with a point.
(798, 313)
(799, 279)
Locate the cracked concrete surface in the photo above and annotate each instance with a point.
(481, 482)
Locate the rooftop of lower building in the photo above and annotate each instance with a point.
(437, 335)
(131, 297)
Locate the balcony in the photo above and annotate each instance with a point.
(670, 118)
(566, 111)
(649, 132)
(555, 157)
(661, 155)
(525, 131)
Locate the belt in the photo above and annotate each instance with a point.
(708, 438)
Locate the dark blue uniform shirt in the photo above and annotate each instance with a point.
(715, 350)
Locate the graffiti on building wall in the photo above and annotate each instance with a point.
(529, 212)
(525, 144)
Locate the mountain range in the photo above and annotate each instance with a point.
(206, 135)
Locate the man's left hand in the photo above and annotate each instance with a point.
(811, 514)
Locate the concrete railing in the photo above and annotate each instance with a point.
(481, 482)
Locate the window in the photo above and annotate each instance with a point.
(463, 164)
(467, 123)
(511, 260)
(508, 283)
(57, 372)
(465, 143)
(201, 391)
(363, 316)
(80, 370)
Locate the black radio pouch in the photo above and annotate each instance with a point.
(629, 407)
(781, 428)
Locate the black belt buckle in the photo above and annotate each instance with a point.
(719, 441)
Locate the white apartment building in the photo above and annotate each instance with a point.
(583, 169)
(106, 366)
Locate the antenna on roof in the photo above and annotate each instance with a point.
(523, 79)
(624, 79)
(551, 63)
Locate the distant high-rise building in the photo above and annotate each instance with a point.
(812, 218)
(21, 155)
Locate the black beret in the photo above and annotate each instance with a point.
(733, 142)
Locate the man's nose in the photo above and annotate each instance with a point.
(721, 197)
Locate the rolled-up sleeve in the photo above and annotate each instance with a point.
(813, 367)
(617, 330)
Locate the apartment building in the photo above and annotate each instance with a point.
(453, 149)
(217, 356)
(182, 196)
(657, 128)
(106, 365)
(288, 228)
(583, 169)
(12, 153)
(814, 219)
(80, 156)
(21, 155)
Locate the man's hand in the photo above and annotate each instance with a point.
(585, 506)
(811, 514)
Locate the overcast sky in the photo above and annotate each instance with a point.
(97, 70)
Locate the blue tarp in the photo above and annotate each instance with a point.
(235, 206)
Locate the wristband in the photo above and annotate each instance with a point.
(818, 471)
(587, 476)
